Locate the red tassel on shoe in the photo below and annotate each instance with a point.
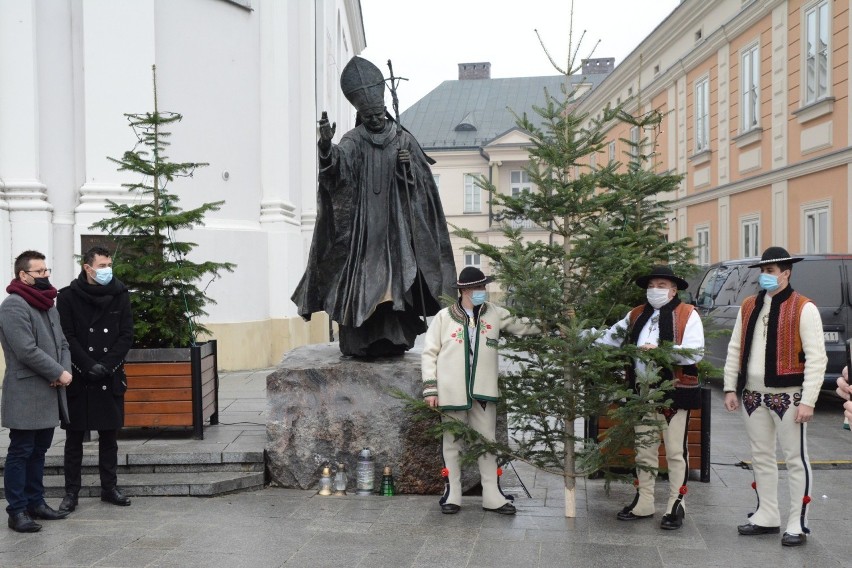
(682, 490)
(754, 484)
(499, 471)
(445, 472)
(806, 499)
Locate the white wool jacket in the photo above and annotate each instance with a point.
(459, 366)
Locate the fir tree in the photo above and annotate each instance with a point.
(605, 226)
(165, 296)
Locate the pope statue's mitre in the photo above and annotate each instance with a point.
(363, 84)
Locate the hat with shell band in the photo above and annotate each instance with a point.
(776, 255)
(472, 277)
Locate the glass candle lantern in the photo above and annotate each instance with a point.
(365, 473)
(340, 480)
(325, 482)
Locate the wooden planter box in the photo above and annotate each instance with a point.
(172, 388)
(697, 434)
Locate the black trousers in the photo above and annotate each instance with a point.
(107, 459)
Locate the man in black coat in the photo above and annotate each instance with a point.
(98, 324)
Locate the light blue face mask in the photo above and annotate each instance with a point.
(478, 297)
(768, 282)
(103, 276)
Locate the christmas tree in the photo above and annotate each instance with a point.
(165, 296)
(605, 226)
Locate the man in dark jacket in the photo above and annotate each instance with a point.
(96, 318)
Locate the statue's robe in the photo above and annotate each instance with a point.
(372, 252)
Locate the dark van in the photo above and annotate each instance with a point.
(822, 278)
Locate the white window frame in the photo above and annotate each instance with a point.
(612, 150)
(635, 146)
(814, 222)
(472, 194)
(816, 64)
(593, 160)
(472, 259)
(702, 114)
(523, 182)
(750, 236)
(702, 244)
(750, 88)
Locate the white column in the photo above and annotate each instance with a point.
(723, 141)
(24, 196)
(780, 220)
(118, 50)
(724, 204)
(280, 112)
(780, 84)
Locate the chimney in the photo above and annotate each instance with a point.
(481, 70)
(598, 66)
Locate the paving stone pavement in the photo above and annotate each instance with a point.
(277, 527)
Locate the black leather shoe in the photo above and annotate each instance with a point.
(671, 522)
(450, 508)
(69, 503)
(507, 509)
(793, 539)
(627, 515)
(115, 497)
(21, 522)
(749, 529)
(46, 512)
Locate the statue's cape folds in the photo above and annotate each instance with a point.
(368, 245)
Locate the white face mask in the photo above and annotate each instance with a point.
(658, 297)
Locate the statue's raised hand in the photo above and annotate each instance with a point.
(326, 132)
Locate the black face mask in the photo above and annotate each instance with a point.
(42, 283)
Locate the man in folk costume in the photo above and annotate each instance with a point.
(460, 367)
(664, 318)
(776, 363)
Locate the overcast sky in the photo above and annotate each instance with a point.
(426, 40)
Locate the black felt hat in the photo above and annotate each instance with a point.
(662, 271)
(470, 277)
(776, 255)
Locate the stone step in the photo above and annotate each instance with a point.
(205, 484)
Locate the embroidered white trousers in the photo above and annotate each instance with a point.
(483, 421)
(647, 454)
(764, 420)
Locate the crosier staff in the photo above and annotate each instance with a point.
(404, 160)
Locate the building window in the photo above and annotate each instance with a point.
(593, 160)
(817, 37)
(750, 82)
(816, 230)
(750, 236)
(471, 259)
(702, 248)
(635, 145)
(702, 115)
(520, 181)
(472, 194)
(612, 151)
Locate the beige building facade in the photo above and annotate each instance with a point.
(754, 99)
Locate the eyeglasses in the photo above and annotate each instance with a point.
(42, 272)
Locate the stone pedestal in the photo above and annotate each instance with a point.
(324, 408)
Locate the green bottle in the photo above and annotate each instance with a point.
(387, 483)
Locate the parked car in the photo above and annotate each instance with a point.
(825, 279)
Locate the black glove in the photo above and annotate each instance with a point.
(98, 373)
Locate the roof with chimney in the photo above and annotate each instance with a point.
(474, 110)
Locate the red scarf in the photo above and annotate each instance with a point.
(39, 299)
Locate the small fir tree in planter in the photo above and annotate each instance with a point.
(165, 296)
(164, 292)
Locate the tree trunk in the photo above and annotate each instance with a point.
(568, 469)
